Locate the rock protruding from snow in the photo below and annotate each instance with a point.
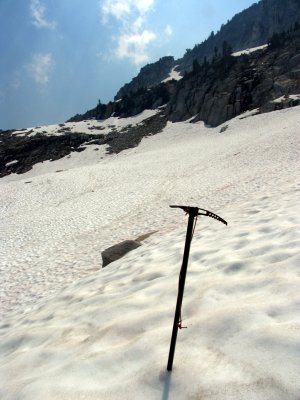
(117, 251)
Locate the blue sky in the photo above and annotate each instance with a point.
(58, 57)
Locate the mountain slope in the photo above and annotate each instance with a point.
(150, 75)
(265, 80)
(250, 28)
(218, 90)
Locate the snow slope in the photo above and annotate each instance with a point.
(173, 75)
(107, 334)
(248, 51)
(88, 126)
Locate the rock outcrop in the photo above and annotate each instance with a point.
(129, 105)
(19, 152)
(228, 86)
(132, 136)
(149, 76)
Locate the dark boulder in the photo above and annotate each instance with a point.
(117, 251)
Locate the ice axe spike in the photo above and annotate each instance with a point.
(193, 214)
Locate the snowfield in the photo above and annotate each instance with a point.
(249, 51)
(88, 126)
(71, 330)
(173, 75)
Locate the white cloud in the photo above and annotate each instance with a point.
(168, 30)
(38, 15)
(121, 9)
(133, 37)
(143, 5)
(134, 46)
(118, 9)
(138, 23)
(40, 68)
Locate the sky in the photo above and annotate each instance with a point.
(59, 57)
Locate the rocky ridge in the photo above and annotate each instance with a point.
(150, 75)
(249, 28)
(223, 88)
(218, 91)
(19, 151)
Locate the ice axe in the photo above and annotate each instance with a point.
(193, 215)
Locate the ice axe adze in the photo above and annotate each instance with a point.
(193, 214)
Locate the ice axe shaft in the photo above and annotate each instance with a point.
(193, 214)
